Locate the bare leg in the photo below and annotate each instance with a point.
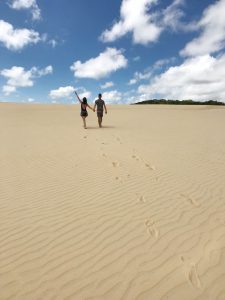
(84, 121)
(100, 121)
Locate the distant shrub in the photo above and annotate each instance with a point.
(180, 102)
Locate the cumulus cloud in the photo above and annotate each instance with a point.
(145, 25)
(134, 18)
(107, 85)
(62, 92)
(27, 4)
(67, 92)
(172, 15)
(101, 66)
(201, 75)
(136, 98)
(212, 27)
(19, 77)
(16, 39)
(41, 72)
(139, 76)
(83, 92)
(112, 97)
(197, 78)
(7, 89)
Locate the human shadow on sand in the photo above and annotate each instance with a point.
(103, 127)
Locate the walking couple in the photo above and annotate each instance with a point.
(100, 107)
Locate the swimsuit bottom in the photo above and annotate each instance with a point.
(84, 113)
(100, 114)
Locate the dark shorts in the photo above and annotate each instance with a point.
(84, 114)
(99, 114)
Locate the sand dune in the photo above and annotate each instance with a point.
(135, 210)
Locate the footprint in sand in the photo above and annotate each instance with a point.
(191, 200)
(119, 179)
(85, 137)
(191, 273)
(115, 164)
(104, 155)
(146, 164)
(151, 228)
(118, 140)
(141, 199)
(136, 157)
(149, 166)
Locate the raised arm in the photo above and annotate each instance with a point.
(78, 97)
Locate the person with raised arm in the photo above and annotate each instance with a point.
(83, 112)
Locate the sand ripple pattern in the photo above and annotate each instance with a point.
(133, 211)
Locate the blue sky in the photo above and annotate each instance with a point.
(129, 50)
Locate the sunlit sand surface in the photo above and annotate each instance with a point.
(135, 210)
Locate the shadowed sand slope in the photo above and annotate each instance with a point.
(133, 211)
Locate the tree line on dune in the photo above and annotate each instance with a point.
(180, 102)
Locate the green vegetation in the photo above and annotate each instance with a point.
(180, 102)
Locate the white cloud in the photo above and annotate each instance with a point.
(83, 92)
(101, 66)
(172, 15)
(134, 18)
(107, 85)
(53, 43)
(27, 4)
(138, 76)
(7, 89)
(145, 25)
(67, 92)
(136, 98)
(136, 58)
(19, 77)
(162, 62)
(41, 72)
(112, 97)
(62, 92)
(31, 100)
(212, 36)
(16, 39)
(201, 75)
(198, 78)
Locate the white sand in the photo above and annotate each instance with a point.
(135, 210)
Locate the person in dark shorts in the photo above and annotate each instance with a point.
(83, 106)
(100, 103)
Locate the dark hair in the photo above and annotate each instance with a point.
(85, 100)
(99, 95)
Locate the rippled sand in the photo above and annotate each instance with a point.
(135, 210)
